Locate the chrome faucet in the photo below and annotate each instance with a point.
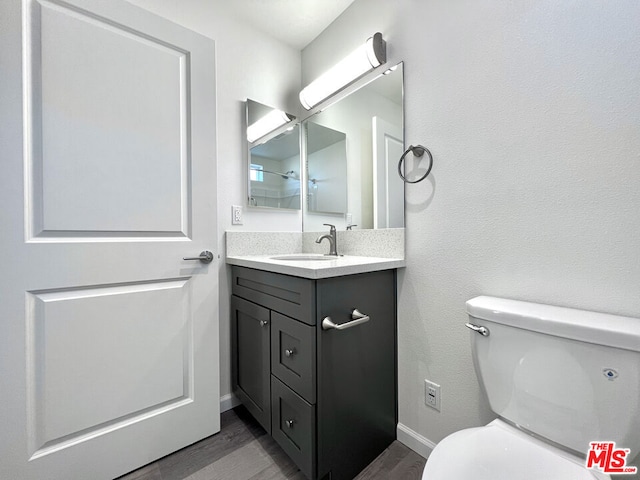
(333, 240)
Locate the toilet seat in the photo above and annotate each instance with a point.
(499, 451)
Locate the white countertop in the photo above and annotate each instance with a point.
(336, 267)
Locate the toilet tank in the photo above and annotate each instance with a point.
(570, 376)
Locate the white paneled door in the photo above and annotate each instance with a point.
(388, 187)
(108, 338)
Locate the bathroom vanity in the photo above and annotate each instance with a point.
(313, 336)
(314, 361)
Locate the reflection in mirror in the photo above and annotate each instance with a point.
(274, 172)
(274, 159)
(371, 121)
(327, 169)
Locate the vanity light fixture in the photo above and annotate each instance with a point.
(365, 58)
(272, 120)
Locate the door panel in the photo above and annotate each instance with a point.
(388, 187)
(109, 339)
(111, 357)
(92, 113)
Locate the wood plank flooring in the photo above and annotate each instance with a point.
(243, 451)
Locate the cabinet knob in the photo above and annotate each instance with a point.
(289, 423)
(290, 353)
(264, 323)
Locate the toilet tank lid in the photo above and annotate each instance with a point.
(581, 325)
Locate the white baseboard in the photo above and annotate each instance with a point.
(227, 402)
(416, 442)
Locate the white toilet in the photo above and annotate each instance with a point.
(558, 378)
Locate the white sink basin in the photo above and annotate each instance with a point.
(303, 257)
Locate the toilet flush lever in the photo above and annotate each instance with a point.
(484, 331)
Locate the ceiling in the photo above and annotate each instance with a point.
(294, 22)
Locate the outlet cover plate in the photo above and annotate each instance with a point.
(236, 215)
(432, 394)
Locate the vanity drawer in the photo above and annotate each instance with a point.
(293, 426)
(293, 355)
(292, 296)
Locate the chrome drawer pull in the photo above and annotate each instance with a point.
(484, 331)
(263, 323)
(291, 352)
(356, 316)
(289, 423)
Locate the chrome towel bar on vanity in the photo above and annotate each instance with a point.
(357, 319)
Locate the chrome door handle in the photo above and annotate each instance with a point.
(357, 318)
(484, 331)
(205, 257)
(290, 352)
(289, 423)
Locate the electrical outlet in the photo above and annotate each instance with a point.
(432, 394)
(236, 215)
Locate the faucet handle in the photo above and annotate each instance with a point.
(333, 227)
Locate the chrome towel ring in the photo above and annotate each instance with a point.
(418, 151)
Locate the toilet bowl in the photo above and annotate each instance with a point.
(499, 451)
(558, 379)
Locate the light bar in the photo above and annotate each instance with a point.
(268, 123)
(362, 60)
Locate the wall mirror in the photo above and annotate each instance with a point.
(352, 150)
(274, 158)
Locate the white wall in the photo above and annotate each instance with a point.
(252, 65)
(532, 112)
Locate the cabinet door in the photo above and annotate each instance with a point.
(356, 394)
(250, 329)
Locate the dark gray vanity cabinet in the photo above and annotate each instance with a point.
(327, 396)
